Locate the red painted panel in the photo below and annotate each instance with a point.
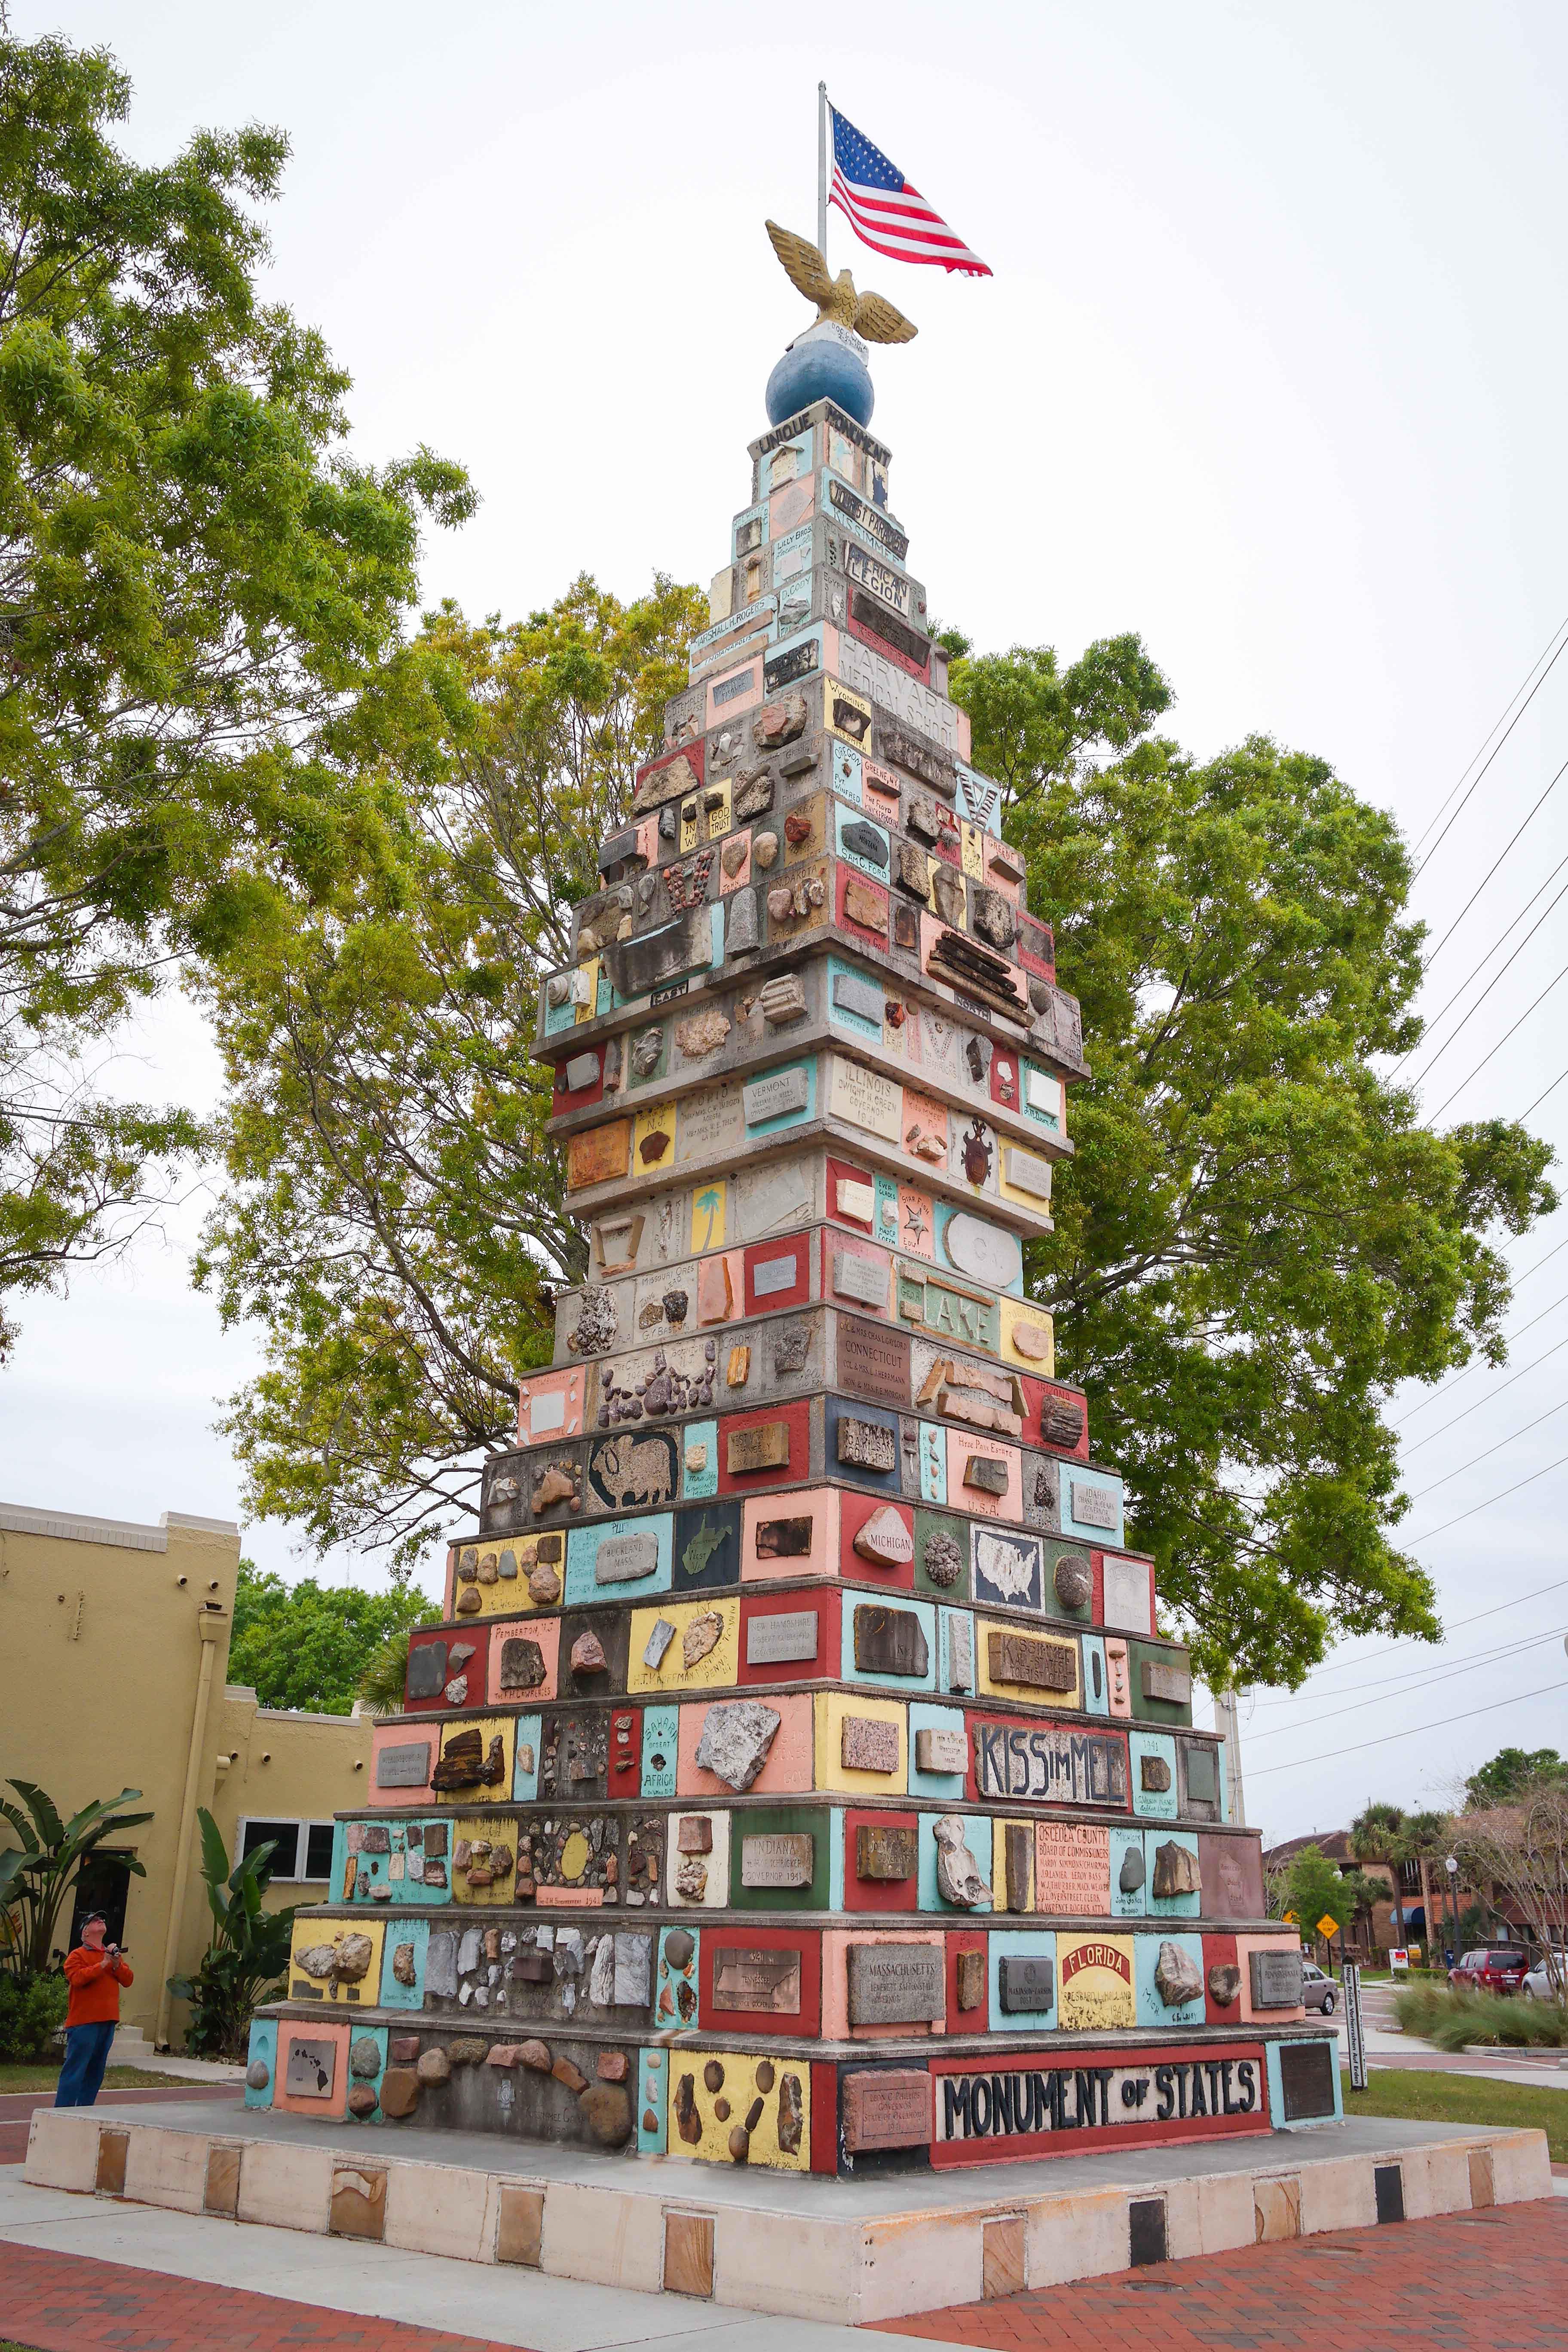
(1034, 1396)
(966, 2020)
(1037, 948)
(1219, 1951)
(695, 753)
(843, 874)
(879, 1893)
(821, 1668)
(837, 1244)
(888, 651)
(807, 1941)
(797, 1418)
(586, 1097)
(798, 1293)
(854, 1510)
(824, 2117)
(626, 1755)
(1177, 2094)
(1006, 1080)
(1027, 1764)
(840, 1171)
(475, 1668)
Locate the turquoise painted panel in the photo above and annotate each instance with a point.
(1075, 1478)
(788, 1118)
(835, 1859)
(558, 1017)
(361, 2034)
(1151, 2009)
(884, 1226)
(525, 1761)
(651, 2094)
(933, 1462)
(924, 1717)
(977, 1837)
(340, 1858)
(1155, 1804)
(880, 869)
(945, 1267)
(925, 1611)
(1042, 1098)
(1171, 1906)
(1277, 2093)
(979, 798)
(846, 771)
(404, 1931)
(778, 469)
(844, 1016)
(1031, 1943)
(583, 1553)
(660, 1741)
(795, 606)
(955, 1624)
(699, 1486)
(793, 659)
(674, 1987)
(1134, 1902)
(792, 553)
(1095, 1680)
(393, 1868)
(263, 2045)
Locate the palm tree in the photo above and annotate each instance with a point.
(36, 1875)
(1377, 1834)
(1426, 1834)
(380, 1685)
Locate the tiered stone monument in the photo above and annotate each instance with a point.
(800, 1778)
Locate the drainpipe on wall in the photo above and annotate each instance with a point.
(212, 1623)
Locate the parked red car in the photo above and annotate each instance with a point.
(1495, 1967)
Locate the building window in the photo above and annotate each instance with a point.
(304, 1848)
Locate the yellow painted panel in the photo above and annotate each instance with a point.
(651, 1123)
(361, 1991)
(589, 1011)
(719, 818)
(1003, 1893)
(509, 1596)
(1024, 1310)
(1030, 1695)
(708, 1206)
(490, 1727)
(1094, 1983)
(489, 1833)
(741, 2093)
(971, 851)
(720, 1664)
(828, 1710)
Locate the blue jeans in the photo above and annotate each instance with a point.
(87, 2055)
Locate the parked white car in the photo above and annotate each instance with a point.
(1537, 1985)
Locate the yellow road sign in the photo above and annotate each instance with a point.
(1327, 1926)
(1289, 1919)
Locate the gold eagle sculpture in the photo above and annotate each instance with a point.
(870, 315)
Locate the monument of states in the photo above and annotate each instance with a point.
(800, 1777)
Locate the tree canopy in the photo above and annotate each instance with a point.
(304, 1645)
(197, 581)
(1511, 1771)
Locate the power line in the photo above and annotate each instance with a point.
(1463, 1667)
(1453, 1379)
(1481, 885)
(1410, 1641)
(1541, 1097)
(1507, 1491)
(1417, 1731)
(1489, 1450)
(1501, 1042)
(1466, 1410)
(1417, 1075)
(1512, 723)
(1420, 1673)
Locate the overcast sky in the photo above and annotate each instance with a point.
(1271, 371)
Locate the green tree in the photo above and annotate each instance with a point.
(395, 1217)
(1309, 1888)
(1257, 1239)
(39, 1872)
(196, 583)
(304, 1645)
(247, 1955)
(1378, 1833)
(1510, 1771)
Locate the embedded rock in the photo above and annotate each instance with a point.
(1176, 1869)
(885, 1539)
(467, 2051)
(535, 2055)
(258, 2074)
(1132, 1874)
(1224, 1983)
(564, 2072)
(364, 2058)
(736, 1736)
(588, 1655)
(958, 1876)
(607, 2112)
(399, 2092)
(1177, 1976)
(943, 1560)
(701, 1635)
(362, 2100)
(434, 2066)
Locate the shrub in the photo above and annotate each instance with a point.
(1453, 2018)
(32, 2008)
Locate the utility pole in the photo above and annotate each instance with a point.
(1226, 1722)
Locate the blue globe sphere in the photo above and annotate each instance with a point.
(819, 368)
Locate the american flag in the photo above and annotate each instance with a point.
(885, 212)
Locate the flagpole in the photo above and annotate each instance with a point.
(822, 169)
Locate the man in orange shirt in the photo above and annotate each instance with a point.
(95, 1972)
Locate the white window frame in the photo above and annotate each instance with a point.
(303, 1825)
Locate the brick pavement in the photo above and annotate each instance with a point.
(1495, 2282)
(70, 2302)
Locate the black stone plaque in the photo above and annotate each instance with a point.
(784, 1538)
(795, 662)
(407, 1765)
(1307, 2079)
(872, 1361)
(889, 1640)
(427, 1670)
(1028, 1983)
(874, 616)
(1201, 1765)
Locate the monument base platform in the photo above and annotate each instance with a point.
(845, 2251)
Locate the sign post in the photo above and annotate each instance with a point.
(1354, 2045)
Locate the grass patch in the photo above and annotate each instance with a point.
(45, 2078)
(1422, 2098)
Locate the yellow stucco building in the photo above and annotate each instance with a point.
(113, 1663)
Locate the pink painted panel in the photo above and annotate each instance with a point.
(820, 1505)
(787, 1771)
(836, 1943)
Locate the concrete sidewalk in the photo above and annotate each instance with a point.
(506, 2306)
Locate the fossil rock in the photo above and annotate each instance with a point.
(1176, 1869)
(736, 1736)
(700, 1636)
(958, 1874)
(1177, 1976)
